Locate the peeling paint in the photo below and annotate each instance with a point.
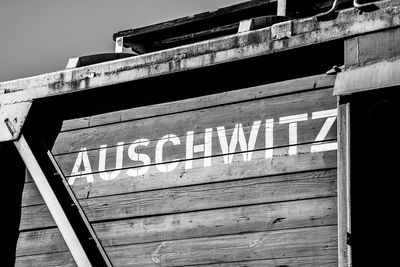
(156, 256)
(255, 242)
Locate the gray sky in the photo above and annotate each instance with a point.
(38, 36)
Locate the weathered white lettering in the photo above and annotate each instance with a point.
(206, 148)
(292, 121)
(238, 136)
(167, 167)
(331, 115)
(246, 142)
(269, 138)
(118, 162)
(133, 155)
(87, 169)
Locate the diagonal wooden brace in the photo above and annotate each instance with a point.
(52, 185)
(62, 203)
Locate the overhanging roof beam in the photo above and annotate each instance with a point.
(279, 37)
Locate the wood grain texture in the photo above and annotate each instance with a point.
(198, 120)
(238, 169)
(216, 222)
(343, 183)
(314, 241)
(63, 259)
(307, 133)
(316, 82)
(47, 259)
(262, 211)
(38, 215)
(201, 197)
(313, 261)
(50, 240)
(304, 32)
(218, 193)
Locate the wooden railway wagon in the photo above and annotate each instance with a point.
(222, 140)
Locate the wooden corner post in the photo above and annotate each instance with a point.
(343, 183)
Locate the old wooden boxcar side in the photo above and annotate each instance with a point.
(247, 175)
(233, 140)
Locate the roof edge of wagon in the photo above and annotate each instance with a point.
(279, 37)
(221, 22)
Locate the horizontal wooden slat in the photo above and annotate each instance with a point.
(219, 171)
(313, 261)
(199, 21)
(201, 197)
(307, 131)
(253, 93)
(265, 245)
(63, 259)
(254, 218)
(178, 124)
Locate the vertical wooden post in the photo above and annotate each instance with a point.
(119, 44)
(343, 183)
(281, 8)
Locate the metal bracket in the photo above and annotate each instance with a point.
(12, 118)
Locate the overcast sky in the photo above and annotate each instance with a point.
(38, 36)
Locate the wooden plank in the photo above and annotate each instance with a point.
(31, 195)
(316, 82)
(281, 163)
(313, 261)
(314, 241)
(380, 75)
(220, 170)
(179, 124)
(192, 198)
(197, 36)
(198, 22)
(64, 259)
(344, 215)
(307, 133)
(304, 32)
(255, 218)
(244, 219)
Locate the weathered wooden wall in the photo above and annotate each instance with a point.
(275, 206)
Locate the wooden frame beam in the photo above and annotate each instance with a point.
(378, 75)
(279, 37)
(56, 210)
(62, 204)
(343, 183)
